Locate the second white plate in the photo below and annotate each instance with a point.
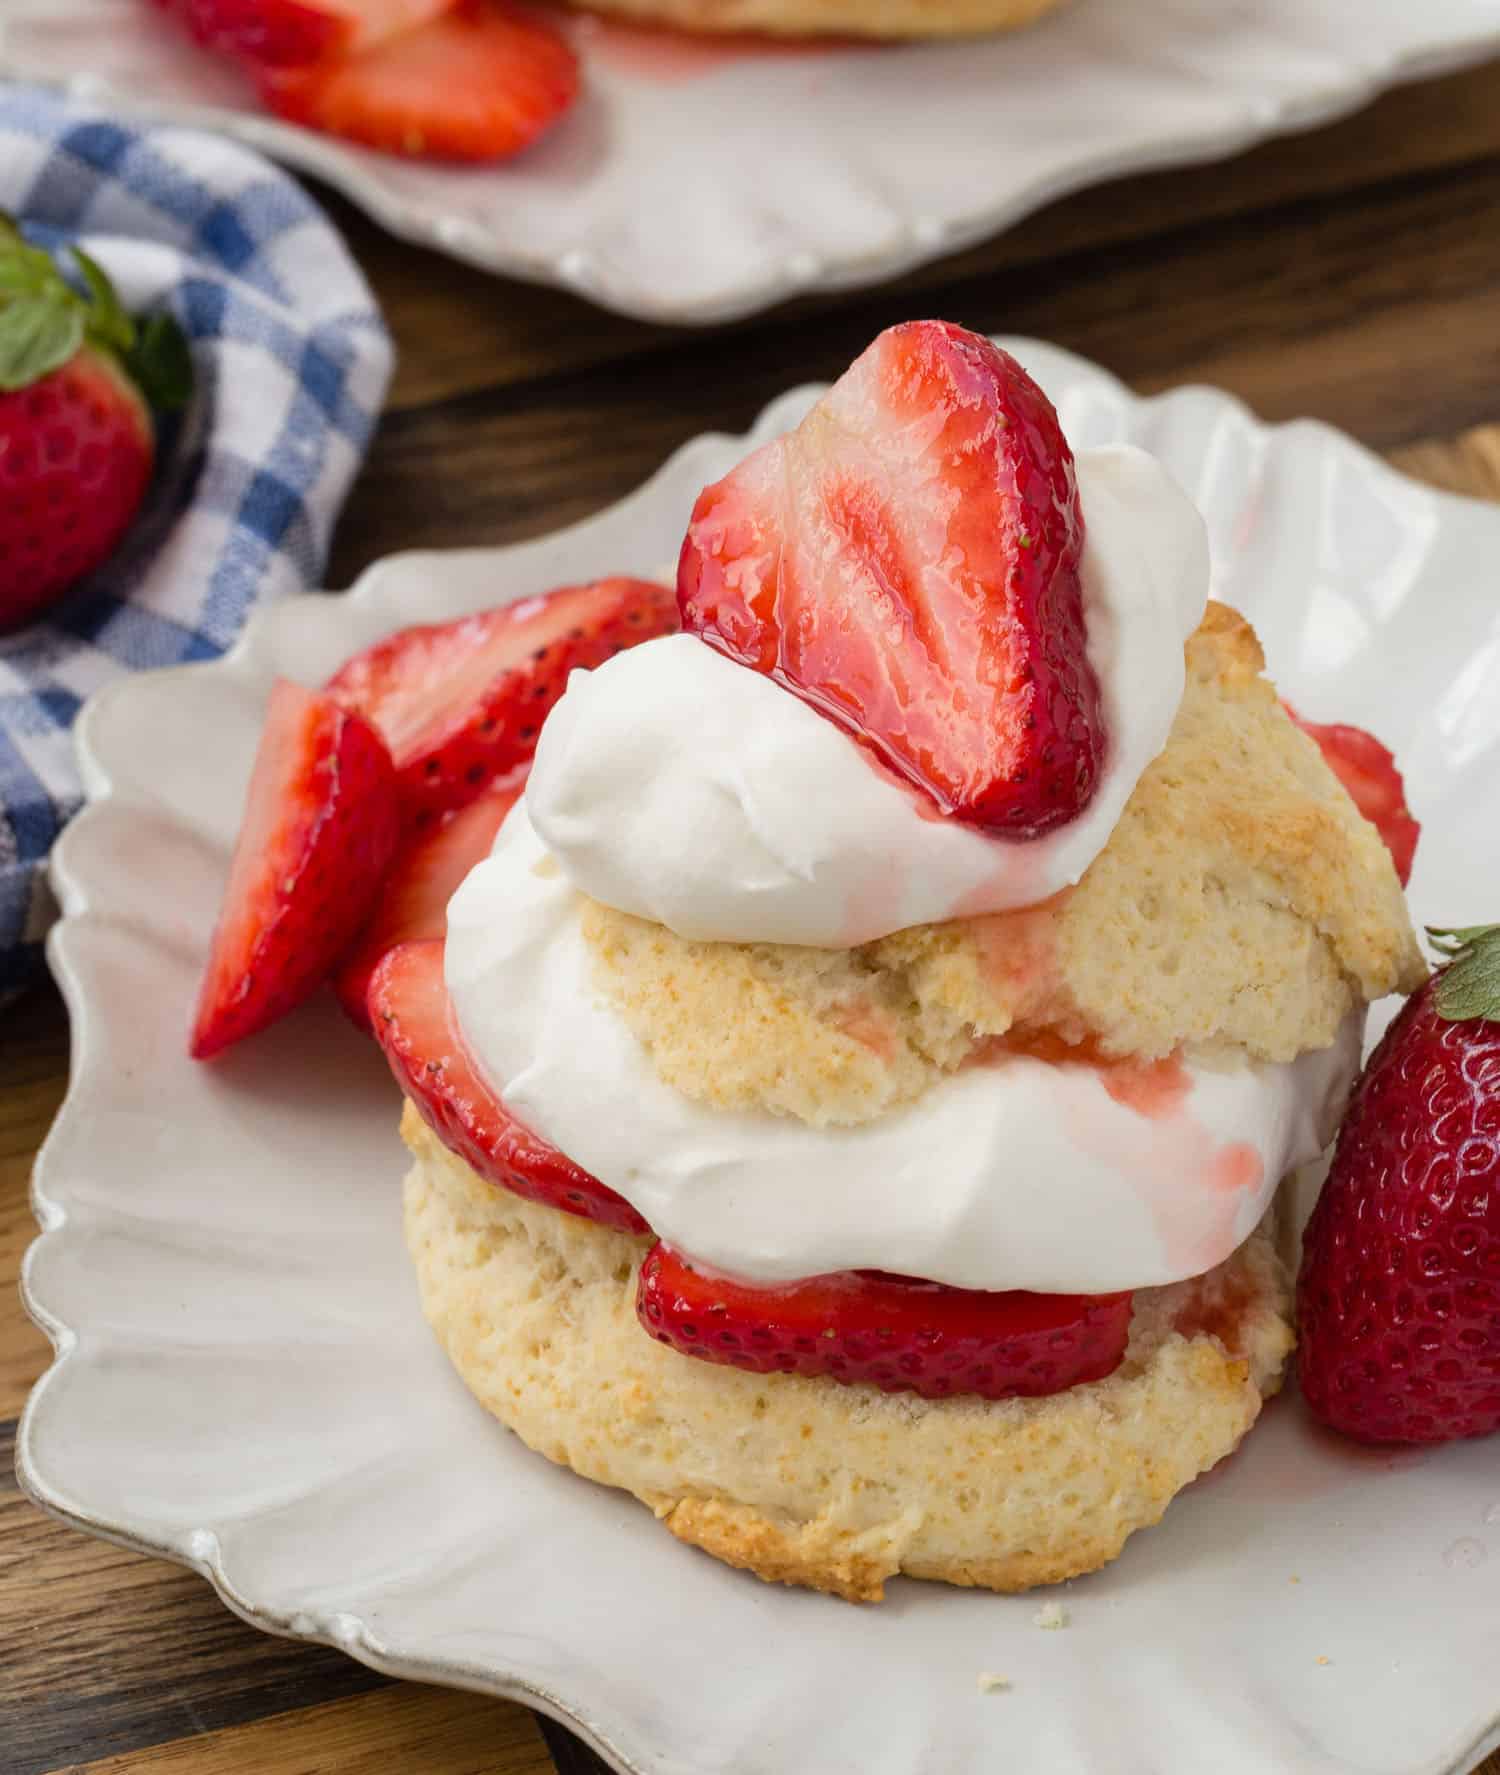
(698, 181)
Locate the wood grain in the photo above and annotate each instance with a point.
(105, 1651)
(1468, 464)
(403, 1727)
(1303, 309)
(33, 1075)
(1351, 274)
(458, 329)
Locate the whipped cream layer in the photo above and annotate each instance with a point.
(687, 789)
(1016, 1173)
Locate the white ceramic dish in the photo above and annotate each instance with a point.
(244, 1382)
(696, 182)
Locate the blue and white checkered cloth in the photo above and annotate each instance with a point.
(292, 362)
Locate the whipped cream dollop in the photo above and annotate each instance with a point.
(1018, 1173)
(690, 790)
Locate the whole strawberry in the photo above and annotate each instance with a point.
(1399, 1296)
(78, 380)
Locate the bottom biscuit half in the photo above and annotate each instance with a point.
(807, 1481)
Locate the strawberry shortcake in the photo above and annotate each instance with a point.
(850, 1085)
(891, 1008)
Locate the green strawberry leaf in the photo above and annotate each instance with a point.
(1470, 984)
(38, 334)
(24, 270)
(108, 323)
(1450, 942)
(44, 319)
(27, 271)
(161, 364)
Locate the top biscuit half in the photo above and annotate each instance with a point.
(1242, 906)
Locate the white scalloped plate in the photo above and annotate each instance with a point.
(244, 1382)
(695, 182)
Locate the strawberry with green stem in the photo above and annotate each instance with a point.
(78, 381)
(1399, 1295)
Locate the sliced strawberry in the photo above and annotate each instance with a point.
(293, 33)
(478, 83)
(891, 1332)
(908, 562)
(425, 876)
(460, 703)
(321, 823)
(1368, 771)
(409, 1009)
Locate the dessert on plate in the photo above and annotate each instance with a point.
(885, 988)
(482, 80)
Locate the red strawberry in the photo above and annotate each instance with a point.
(409, 1009)
(1368, 771)
(888, 1331)
(426, 874)
(478, 83)
(1399, 1296)
(76, 439)
(460, 703)
(321, 824)
(289, 33)
(907, 561)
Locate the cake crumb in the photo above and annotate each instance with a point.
(991, 1682)
(1050, 1616)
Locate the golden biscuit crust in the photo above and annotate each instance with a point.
(1241, 904)
(807, 1482)
(890, 19)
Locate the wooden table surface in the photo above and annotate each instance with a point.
(1352, 274)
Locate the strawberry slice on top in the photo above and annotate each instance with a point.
(460, 703)
(409, 1011)
(908, 562)
(321, 823)
(479, 82)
